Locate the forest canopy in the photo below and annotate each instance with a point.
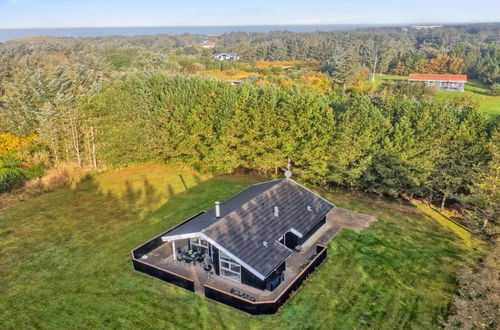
(83, 97)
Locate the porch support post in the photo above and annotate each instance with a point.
(173, 248)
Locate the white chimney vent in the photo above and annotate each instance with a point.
(276, 211)
(217, 209)
(264, 243)
(309, 208)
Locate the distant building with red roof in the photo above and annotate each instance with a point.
(207, 44)
(442, 82)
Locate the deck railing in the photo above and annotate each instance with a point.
(162, 274)
(270, 306)
(152, 244)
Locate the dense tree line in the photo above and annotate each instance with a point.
(392, 145)
(51, 87)
(384, 143)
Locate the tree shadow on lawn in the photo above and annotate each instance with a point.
(476, 87)
(68, 262)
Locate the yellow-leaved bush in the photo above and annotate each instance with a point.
(10, 142)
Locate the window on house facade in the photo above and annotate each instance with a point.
(199, 244)
(229, 268)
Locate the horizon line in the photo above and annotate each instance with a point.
(249, 25)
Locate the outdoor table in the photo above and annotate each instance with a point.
(188, 255)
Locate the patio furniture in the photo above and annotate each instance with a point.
(199, 257)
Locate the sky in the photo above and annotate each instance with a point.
(113, 13)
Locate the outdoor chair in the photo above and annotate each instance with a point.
(199, 257)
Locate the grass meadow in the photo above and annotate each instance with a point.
(65, 261)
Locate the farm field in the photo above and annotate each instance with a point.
(475, 90)
(65, 261)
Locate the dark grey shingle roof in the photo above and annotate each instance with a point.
(247, 219)
(202, 221)
(242, 231)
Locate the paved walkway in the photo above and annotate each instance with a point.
(336, 220)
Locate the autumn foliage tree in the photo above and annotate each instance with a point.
(443, 63)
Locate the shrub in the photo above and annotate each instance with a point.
(58, 176)
(494, 90)
(9, 162)
(33, 172)
(11, 178)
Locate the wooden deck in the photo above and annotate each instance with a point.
(163, 258)
(338, 219)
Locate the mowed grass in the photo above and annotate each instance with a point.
(474, 90)
(477, 92)
(65, 261)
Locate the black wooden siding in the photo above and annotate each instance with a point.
(291, 240)
(252, 280)
(268, 307)
(311, 231)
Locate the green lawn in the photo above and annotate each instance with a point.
(65, 261)
(478, 92)
(380, 78)
(473, 89)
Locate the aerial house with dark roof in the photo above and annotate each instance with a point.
(250, 249)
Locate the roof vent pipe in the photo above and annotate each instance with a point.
(217, 209)
(276, 211)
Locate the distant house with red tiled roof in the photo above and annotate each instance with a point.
(442, 82)
(207, 44)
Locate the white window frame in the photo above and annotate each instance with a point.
(230, 262)
(199, 242)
